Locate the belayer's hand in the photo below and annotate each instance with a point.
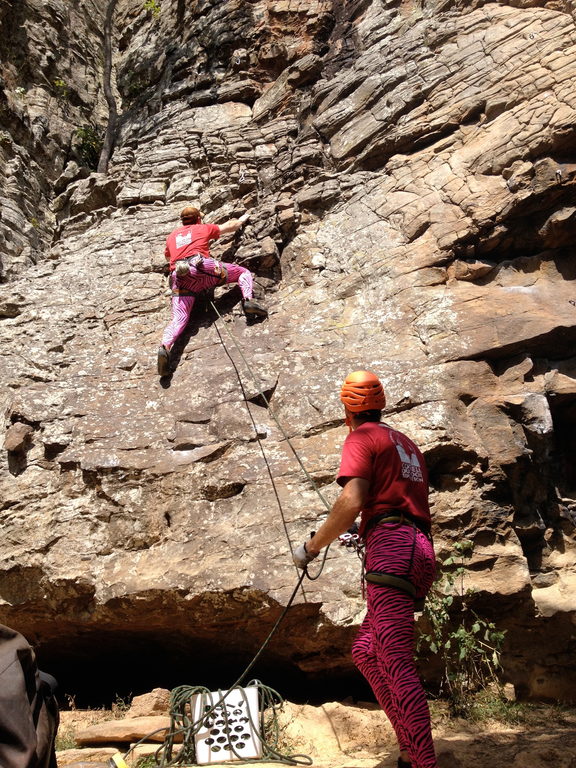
(302, 557)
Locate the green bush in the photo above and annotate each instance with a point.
(468, 645)
(146, 761)
(89, 145)
(65, 740)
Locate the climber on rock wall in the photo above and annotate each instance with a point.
(384, 477)
(193, 271)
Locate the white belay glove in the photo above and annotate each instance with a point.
(302, 557)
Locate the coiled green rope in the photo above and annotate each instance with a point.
(182, 723)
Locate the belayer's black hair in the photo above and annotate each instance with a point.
(369, 415)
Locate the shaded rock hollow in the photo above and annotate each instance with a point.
(409, 168)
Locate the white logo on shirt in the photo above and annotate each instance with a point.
(182, 240)
(411, 469)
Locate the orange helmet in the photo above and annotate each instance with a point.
(363, 391)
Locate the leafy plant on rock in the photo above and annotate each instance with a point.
(467, 644)
(146, 761)
(89, 145)
(154, 7)
(120, 706)
(60, 88)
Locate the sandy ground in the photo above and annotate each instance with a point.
(343, 736)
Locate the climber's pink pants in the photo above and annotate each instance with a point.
(198, 282)
(384, 648)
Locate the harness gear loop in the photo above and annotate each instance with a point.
(197, 261)
(390, 580)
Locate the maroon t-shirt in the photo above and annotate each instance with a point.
(395, 469)
(189, 240)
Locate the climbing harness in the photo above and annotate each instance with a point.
(221, 272)
(382, 578)
(197, 261)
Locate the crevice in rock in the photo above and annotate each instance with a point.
(52, 450)
(225, 491)
(326, 426)
(263, 398)
(373, 154)
(110, 135)
(343, 32)
(92, 480)
(563, 455)
(540, 486)
(544, 220)
(322, 479)
(449, 465)
(17, 416)
(558, 343)
(215, 453)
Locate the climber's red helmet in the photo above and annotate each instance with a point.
(362, 391)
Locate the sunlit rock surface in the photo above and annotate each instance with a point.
(409, 169)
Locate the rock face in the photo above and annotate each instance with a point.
(409, 169)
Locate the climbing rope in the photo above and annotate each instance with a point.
(187, 701)
(189, 728)
(262, 451)
(182, 722)
(268, 406)
(259, 388)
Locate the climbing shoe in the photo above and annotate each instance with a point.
(403, 763)
(163, 361)
(252, 308)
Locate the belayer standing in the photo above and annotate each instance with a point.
(193, 271)
(383, 477)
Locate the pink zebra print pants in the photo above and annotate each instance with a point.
(182, 305)
(384, 648)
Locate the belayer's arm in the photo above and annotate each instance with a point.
(343, 513)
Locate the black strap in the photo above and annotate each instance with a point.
(391, 580)
(395, 516)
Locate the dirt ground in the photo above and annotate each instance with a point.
(339, 735)
(547, 740)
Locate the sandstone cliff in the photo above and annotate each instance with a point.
(409, 166)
